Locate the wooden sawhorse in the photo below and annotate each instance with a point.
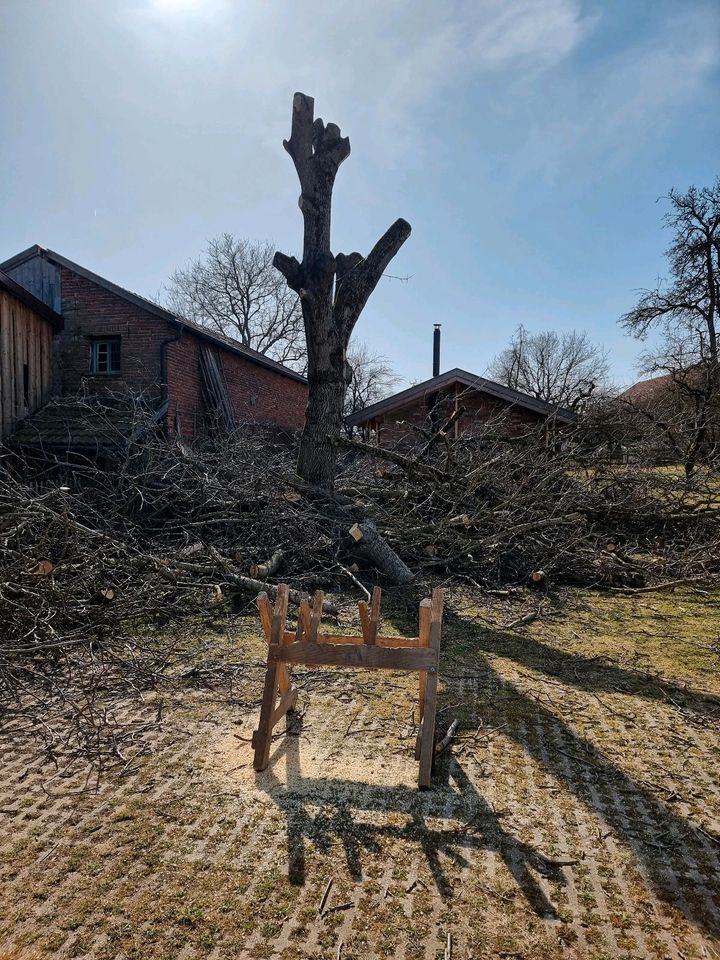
(308, 646)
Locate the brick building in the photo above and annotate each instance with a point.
(115, 342)
(433, 402)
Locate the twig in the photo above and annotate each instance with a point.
(325, 896)
(448, 737)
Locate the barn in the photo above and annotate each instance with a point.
(113, 342)
(27, 328)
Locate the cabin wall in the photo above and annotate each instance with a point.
(26, 341)
(404, 425)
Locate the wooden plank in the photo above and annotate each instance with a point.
(316, 616)
(354, 638)
(427, 742)
(364, 620)
(263, 605)
(374, 616)
(261, 739)
(304, 617)
(424, 641)
(287, 702)
(354, 655)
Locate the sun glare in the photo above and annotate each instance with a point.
(177, 6)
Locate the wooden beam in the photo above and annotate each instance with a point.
(424, 641)
(374, 616)
(355, 655)
(364, 623)
(427, 744)
(261, 739)
(286, 703)
(354, 638)
(316, 616)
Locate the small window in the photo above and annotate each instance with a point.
(105, 356)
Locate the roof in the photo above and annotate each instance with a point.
(37, 306)
(185, 325)
(91, 424)
(469, 381)
(647, 389)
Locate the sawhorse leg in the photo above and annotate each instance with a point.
(428, 696)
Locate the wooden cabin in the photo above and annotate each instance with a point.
(27, 328)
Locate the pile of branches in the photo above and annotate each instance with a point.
(515, 507)
(111, 564)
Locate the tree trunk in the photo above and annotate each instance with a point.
(333, 289)
(323, 421)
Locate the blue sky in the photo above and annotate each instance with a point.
(526, 141)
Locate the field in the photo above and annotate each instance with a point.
(577, 813)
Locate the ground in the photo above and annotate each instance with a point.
(576, 815)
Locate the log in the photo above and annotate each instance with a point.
(376, 550)
(261, 571)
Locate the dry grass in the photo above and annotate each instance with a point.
(577, 815)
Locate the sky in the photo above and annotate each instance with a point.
(526, 141)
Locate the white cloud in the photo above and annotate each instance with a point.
(386, 63)
(625, 103)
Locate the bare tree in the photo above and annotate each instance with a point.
(686, 310)
(234, 289)
(561, 368)
(333, 289)
(690, 301)
(372, 378)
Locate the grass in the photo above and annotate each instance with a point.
(586, 735)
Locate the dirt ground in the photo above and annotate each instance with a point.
(576, 815)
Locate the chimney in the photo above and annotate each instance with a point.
(436, 350)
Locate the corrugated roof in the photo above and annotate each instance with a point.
(469, 381)
(177, 321)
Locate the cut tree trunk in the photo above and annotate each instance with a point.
(377, 551)
(333, 289)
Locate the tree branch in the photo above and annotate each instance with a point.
(361, 278)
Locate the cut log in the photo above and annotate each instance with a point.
(376, 550)
(261, 571)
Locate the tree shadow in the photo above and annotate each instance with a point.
(679, 862)
(474, 824)
(592, 674)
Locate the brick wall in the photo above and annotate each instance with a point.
(258, 394)
(398, 426)
(262, 395)
(91, 311)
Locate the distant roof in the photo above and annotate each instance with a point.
(37, 306)
(469, 381)
(646, 389)
(190, 326)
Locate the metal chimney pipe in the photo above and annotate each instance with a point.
(436, 350)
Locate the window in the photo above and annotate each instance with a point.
(105, 355)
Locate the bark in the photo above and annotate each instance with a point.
(372, 546)
(333, 289)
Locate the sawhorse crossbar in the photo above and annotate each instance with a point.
(370, 651)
